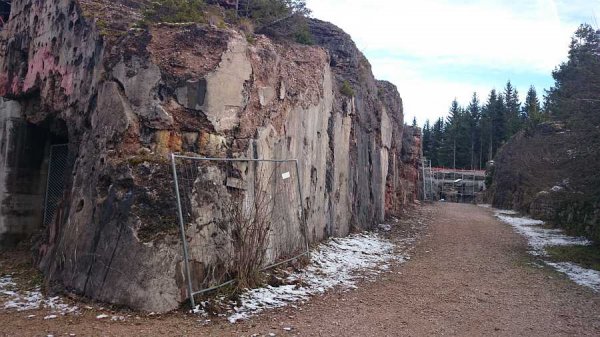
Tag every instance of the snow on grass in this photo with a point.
(506, 211)
(19, 300)
(338, 262)
(385, 227)
(582, 276)
(539, 238)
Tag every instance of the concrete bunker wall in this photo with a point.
(24, 161)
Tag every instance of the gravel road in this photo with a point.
(470, 275)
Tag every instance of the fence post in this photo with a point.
(183, 238)
(302, 215)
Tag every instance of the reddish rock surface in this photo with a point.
(123, 99)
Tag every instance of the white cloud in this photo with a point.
(516, 37)
(424, 98)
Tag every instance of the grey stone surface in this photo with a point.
(125, 107)
(140, 82)
(225, 96)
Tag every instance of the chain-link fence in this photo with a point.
(237, 216)
(57, 167)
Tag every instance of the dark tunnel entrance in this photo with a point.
(36, 168)
(5, 7)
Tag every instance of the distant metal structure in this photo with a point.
(457, 185)
(428, 190)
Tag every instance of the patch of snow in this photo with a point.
(50, 317)
(556, 188)
(506, 211)
(539, 238)
(6, 283)
(338, 262)
(385, 227)
(517, 221)
(102, 316)
(582, 276)
(31, 300)
(485, 205)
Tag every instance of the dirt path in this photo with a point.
(470, 276)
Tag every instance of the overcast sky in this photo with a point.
(436, 50)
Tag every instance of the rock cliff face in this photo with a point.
(124, 99)
(551, 173)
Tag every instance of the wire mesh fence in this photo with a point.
(237, 216)
(57, 167)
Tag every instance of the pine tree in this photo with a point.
(488, 123)
(427, 140)
(577, 81)
(532, 114)
(437, 143)
(512, 109)
(500, 123)
(474, 116)
(452, 123)
(469, 136)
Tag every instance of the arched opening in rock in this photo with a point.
(35, 165)
(5, 7)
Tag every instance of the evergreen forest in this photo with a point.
(471, 135)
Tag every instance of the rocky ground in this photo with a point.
(469, 275)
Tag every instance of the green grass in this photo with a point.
(585, 256)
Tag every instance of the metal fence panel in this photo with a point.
(213, 194)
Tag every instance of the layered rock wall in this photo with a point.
(125, 99)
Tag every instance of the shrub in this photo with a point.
(347, 90)
(175, 11)
(250, 226)
(247, 26)
(267, 12)
(304, 36)
(214, 15)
